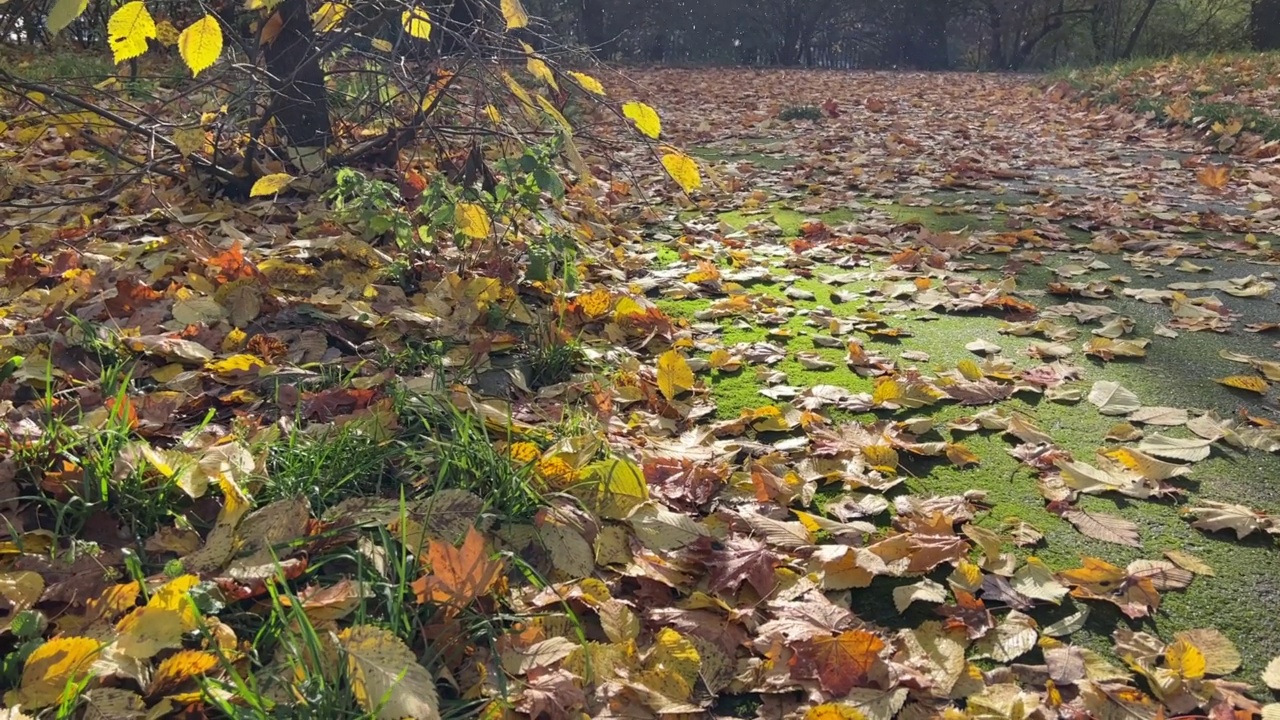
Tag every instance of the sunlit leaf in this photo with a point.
(128, 30)
(200, 44)
(644, 117)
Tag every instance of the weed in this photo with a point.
(329, 467)
(457, 452)
(800, 112)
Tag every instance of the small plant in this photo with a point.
(800, 112)
(376, 206)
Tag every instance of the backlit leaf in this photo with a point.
(63, 13)
(270, 184)
(200, 44)
(416, 23)
(513, 12)
(128, 30)
(472, 220)
(645, 118)
(683, 170)
(588, 83)
(674, 374)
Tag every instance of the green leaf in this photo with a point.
(64, 12)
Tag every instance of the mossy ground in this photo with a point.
(1240, 600)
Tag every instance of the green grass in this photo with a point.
(1177, 372)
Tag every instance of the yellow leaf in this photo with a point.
(538, 68)
(683, 170)
(618, 487)
(969, 369)
(175, 596)
(587, 82)
(381, 45)
(494, 115)
(472, 220)
(386, 677)
(328, 16)
(595, 303)
(887, 390)
(723, 360)
(881, 457)
(270, 184)
(201, 44)
(440, 84)
(515, 15)
(64, 12)
(52, 668)
(834, 711)
(1252, 383)
(674, 374)
(645, 118)
(417, 23)
(129, 29)
(1185, 659)
(673, 652)
(147, 630)
(180, 667)
(189, 140)
(1214, 177)
(236, 363)
(555, 114)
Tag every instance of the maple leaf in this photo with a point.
(458, 575)
(839, 663)
(739, 560)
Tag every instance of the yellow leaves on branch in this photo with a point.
(417, 23)
(587, 82)
(64, 12)
(201, 44)
(674, 374)
(683, 170)
(128, 31)
(539, 68)
(270, 184)
(645, 118)
(515, 15)
(472, 220)
(328, 16)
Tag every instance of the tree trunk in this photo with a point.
(1136, 33)
(1264, 24)
(300, 106)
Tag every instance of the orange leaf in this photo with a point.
(271, 30)
(1214, 177)
(839, 663)
(458, 575)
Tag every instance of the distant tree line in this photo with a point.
(923, 34)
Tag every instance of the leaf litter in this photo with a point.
(679, 553)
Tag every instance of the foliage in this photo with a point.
(509, 416)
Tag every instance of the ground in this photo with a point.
(980, 156)
(955, 394)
